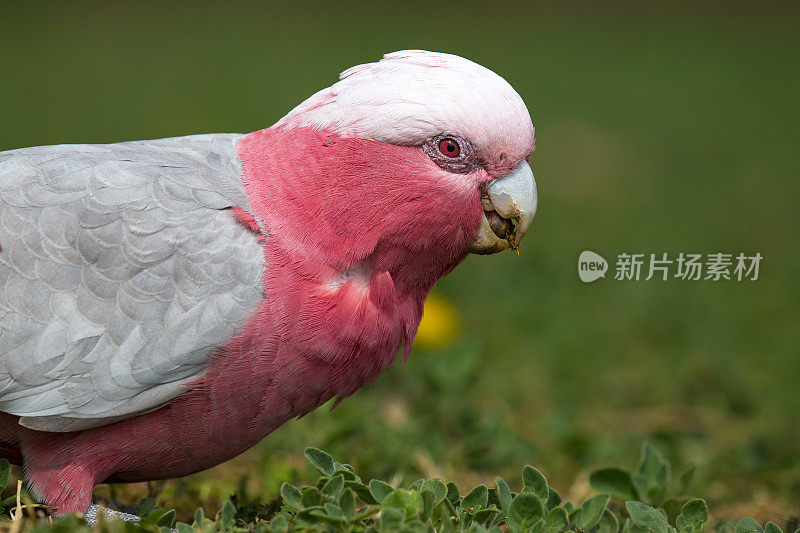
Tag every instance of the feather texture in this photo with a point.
(122, 269)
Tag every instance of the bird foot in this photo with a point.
(94, 511)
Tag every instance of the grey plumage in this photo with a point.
(122, 269)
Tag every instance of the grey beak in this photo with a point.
(513, 197)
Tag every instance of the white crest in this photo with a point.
(412, 95)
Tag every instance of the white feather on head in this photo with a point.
(412, 95)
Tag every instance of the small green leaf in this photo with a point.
(180, 527)
(167, 519)
(279, 523)
(408, 500)
(534, 481)
(199, 517)
(553, 499)
(652, 477)
(321, 460)
(390, 517)
(477, 498)
(227, 513)
(333, 487)
(437, 487)
(483, 515)
(347, 502)
(614, 481)
(311, 497)
(144, 508)
(684, 480)
(291, 496)
(503, 493)
(608, 523)
(452, 493)
(591, 511)
(747, 525)
(556, 519)
(646, 517)
(428, 503)
(523, 509)
(332, 515)
(379, 489)
(772, 527)
(334, 511)
(694, 514)
(417, 485)
(362, 491)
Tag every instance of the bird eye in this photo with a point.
(449, 147)
(452, 153)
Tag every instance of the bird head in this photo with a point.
(417, 159)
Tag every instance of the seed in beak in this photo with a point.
(502, 227)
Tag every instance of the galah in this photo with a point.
(166, 304)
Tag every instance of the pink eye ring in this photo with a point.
(449, 148)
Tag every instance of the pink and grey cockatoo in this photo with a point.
(166, 304)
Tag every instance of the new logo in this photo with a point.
(591, 266)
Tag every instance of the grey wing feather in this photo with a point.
(122, 270)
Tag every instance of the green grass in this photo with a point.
(660, 129)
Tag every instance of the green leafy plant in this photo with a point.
(339, 500)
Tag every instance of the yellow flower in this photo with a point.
(440, 324)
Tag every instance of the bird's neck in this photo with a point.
(341, 296)
(314, 338)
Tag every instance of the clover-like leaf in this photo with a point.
(168, 519)
(747, 525)
(408, 500)
(477, 498)
(694, 514)
(390, 518)
(524, 508)
(591, 511)
(534, 481)
(652, 477)
(556, 519)
(322, 461)
(379, 489)
(311, 497)
(180, 527)
(452, 493)
(553, 499)
(503, 493)
(428, 504)
(684, 479)
(362, 491)
(199, 517)
(614, 481)
(437, 487)
(483, 515)
(291, 496)
(144, 508)
(646, 517)
(347, 503)
(226, 514)
(334, 486)
(608, 523)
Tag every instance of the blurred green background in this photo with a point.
(670, 128)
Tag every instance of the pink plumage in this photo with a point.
(347, 216)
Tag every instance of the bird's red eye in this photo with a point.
(449, 147)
